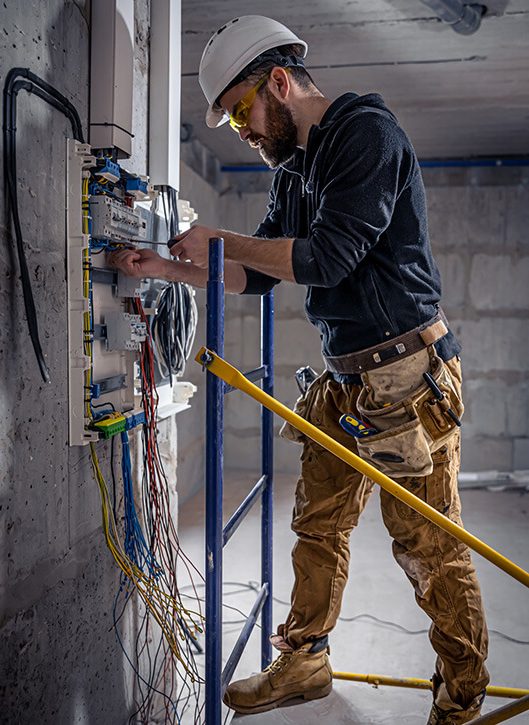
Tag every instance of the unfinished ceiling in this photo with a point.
(456, 95)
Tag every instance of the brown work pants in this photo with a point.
(330, 497)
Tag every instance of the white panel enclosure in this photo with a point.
(164, 93)
(112, 58)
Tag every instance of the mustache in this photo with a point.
(254, 141)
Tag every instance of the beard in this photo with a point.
(280, 142)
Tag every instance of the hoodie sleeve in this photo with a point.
(258, 283)
(366, 166)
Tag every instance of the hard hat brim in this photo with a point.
(215, 117)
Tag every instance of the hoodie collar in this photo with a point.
(340, 107)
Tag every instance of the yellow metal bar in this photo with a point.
(232, 376)
(504, 713)
(418, 684)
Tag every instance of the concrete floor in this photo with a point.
(378, 587)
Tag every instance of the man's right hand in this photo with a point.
(139, 263)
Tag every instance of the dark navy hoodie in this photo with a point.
(354, 202)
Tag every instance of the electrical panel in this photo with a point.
(107, 323)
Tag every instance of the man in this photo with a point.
(347, 218)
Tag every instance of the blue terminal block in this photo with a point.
(136, 185)
(110, 171)
(134, 418)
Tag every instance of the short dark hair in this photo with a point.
(284, 56)
(298, 72)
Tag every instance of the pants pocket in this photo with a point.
(303, 408)
(433, 489)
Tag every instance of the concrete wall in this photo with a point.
(59, 660)
(479, 225)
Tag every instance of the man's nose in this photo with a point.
(244, 132)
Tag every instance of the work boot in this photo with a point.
(297, 673)
(446, 712)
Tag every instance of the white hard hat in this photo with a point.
(231, 49)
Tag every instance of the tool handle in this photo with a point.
(454, 417)
(433, 386)
(441, 397)
(356, 427)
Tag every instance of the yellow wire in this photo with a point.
(164, 607)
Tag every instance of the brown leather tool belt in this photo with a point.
(397, 348)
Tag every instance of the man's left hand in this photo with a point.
(193, 245)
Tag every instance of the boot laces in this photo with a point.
(278, 664)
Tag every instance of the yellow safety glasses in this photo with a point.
(239, 116)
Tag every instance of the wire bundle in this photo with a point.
(35, 85)
(135, 545)
(160, 669)
(166, 622)
(175, 321)
(173, 328)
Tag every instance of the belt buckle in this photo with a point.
(389, 352)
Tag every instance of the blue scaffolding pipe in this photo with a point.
(267, 468)
(239, 515)
(237, 651)
(214, 468)
(216, 679)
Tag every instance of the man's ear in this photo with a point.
(279, 83)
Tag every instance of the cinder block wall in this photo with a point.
(479, 227)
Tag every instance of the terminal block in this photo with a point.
(138, 187)
(115, 221)
(107, 169)
(134, 418)
(110, 425)
(125, 331)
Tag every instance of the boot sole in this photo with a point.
(312, 695)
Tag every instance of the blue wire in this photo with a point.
(136, 547)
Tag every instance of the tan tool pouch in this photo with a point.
(410, 429)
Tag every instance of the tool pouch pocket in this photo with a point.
(410, 429)
(437, 424)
